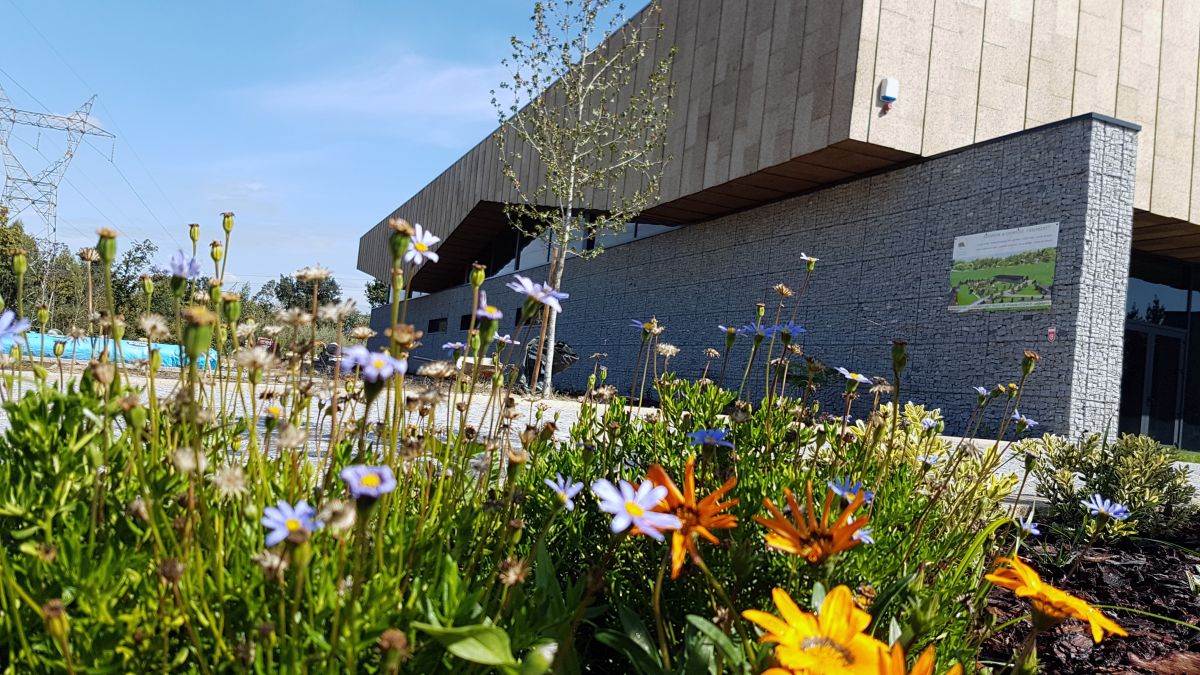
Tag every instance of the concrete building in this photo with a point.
(1035, 186)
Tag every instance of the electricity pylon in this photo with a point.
(40, 191)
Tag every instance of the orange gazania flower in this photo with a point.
(804, 536)
(831, 642)
(698, 517)
(1051, 606)
(893, 663)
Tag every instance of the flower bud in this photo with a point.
(118, 329)
(478, 274)
(43, 314)
(214, 292)
(60, 347)
(899, 355)
(217, 250)
(57, 623)
(148, 285)
(402, 233)
(107, 245)
(232, 302)
(178, 287)
(227, 222)
(197, 330)
(2, 305)
(1029, 362)
(155, 361)
(20, 263)
(730, 337)
(194, 232)
(760, 309)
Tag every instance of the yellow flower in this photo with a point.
(893, 663)
(698, 517)
(1051, 606)
(804, 536)
(831, 642)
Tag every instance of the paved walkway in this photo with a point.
(567, 412)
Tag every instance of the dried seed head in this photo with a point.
(313, 273)
(783, 290)
(711, 353)
(513, 571)
(362, 333)
(229, 481)
(170, 570)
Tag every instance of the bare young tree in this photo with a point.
(588, 112)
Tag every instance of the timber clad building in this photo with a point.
(1035, 185)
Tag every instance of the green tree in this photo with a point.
(589, 120)
(377, 293)
(291, 292)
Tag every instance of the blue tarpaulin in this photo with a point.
(83, 349)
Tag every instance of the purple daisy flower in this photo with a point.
(284, 519)
(847, 490)
(712, 437)
(11, 327)
(486, 311)
(1100, 507)
(182, 266)
(1022, 421)
(565, 490)
(368, 481)
(854, 377)
(420, 247)
(635, 507)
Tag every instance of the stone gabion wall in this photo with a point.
(885, 245)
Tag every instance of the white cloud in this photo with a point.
(410, 95)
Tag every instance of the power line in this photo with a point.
(111, 119)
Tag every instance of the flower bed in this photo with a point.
(193, 530)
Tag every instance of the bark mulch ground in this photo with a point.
(1135, 574)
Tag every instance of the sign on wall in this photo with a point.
(1004, 270)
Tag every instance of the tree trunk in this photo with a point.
(548, 349)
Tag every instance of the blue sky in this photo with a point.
(310, 120)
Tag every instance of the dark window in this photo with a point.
(437, 325)
(465, 322)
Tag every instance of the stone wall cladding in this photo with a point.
(885, 246)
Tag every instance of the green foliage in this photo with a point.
(1136, 471)
(291, 292)
(378, 292)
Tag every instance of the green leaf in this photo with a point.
(636, 630)
(698, 653)
(480, 643)
(718, 637)
(818, 596)
(642, 662)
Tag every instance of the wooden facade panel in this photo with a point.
(1004, 69)
(783, 73)
(865, 84)
(814, 90)
(953, 76)
(845, 73)
(695, 145)
(1096, 61)
(1175, 125)
(752, 87)
(1137, 83)
(727, 74)
(1052, 61)
(686, 16)
(905, 36)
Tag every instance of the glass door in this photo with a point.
(1152, 382)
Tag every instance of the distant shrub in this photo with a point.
(1136, 471)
